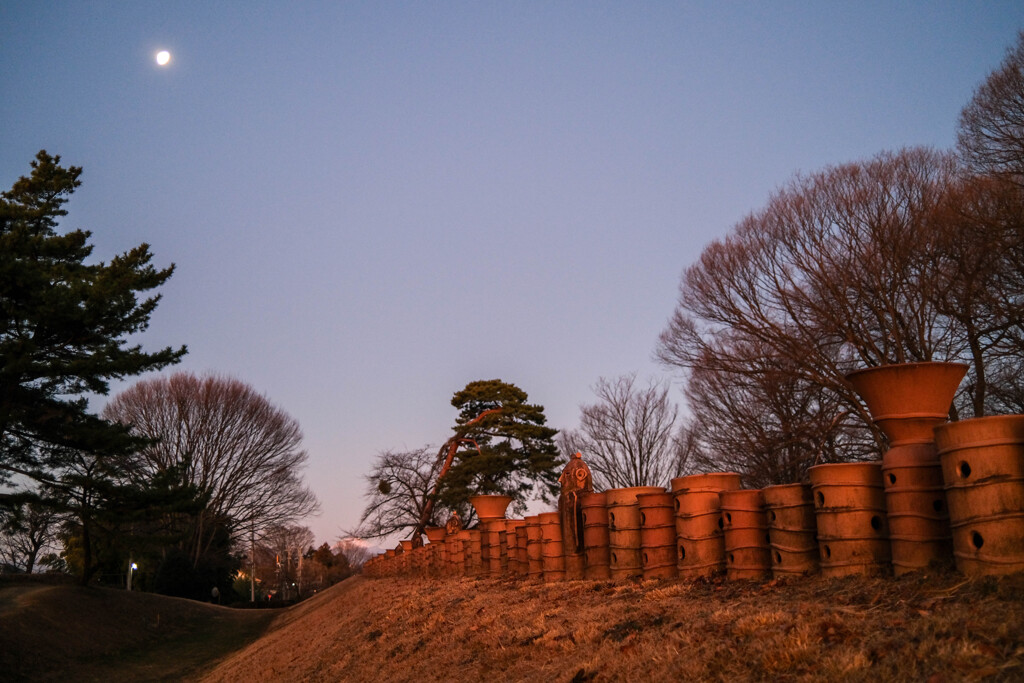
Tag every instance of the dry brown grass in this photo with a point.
(935, 628)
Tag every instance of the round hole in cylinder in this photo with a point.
(939, 505)
(828, 551)
(964, 470)
(819, 497)
(677, 504)
(584, 517)
(643, 519)
(778, 557)
(976, 540)
(876, 523)
(615, 559)
(732, 558)
(611, 520)
(682, 552)
(728, 518)
(771, 515)
(647, 560)
(892, 478)
(721, 524)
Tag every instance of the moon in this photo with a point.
(163, 58)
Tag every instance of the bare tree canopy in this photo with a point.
(397, 490)
(991, 135)
(229, 441)
(630, 436)
(898, 258)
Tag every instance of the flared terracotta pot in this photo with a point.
(490, 506)
(908, 400)
(435, 534)
(983, 469)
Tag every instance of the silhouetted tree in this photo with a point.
(517, 455)
(65, 322)
(991, 131)
(229, 442)
(397, 488)
(630, 437)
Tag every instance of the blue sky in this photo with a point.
(372, 204)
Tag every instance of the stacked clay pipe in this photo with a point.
(983, 469)
(552, 554)
(849, 506)
(699, 523)
(626, 559)
(597, 554)
(657, 535)
(907, 401)
(745, 532)
(792, 529)
(534, 542)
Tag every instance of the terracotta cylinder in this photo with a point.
(626, 560)
(699, 538)
(907, 401)
(494, 552)
(474, 553)
(745, 529)
(552, 555)
(522, 551)
(983, 469)
(792, 530)
(849, 506)
(533, 548)
(453, 548)
(915, 499)
(512, 527)
(657, 535)
(597, 555)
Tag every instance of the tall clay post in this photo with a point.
(575, 480)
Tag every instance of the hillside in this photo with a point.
(67, 632)
(941, 628)
(937, 628)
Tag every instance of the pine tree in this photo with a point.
(517, 455)
(64, 326)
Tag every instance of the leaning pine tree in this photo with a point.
(517, 455)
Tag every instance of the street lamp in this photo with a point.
(131, 570)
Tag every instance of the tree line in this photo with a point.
(911, 255)
(175, 474)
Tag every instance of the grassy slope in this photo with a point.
(940, 628)
(63, 632)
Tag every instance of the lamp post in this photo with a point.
(131, 571)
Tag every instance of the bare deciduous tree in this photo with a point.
(26, 531)
(230, 441)
(991, 135)
(398, 487)
(630, 436)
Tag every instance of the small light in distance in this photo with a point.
(163, 58)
